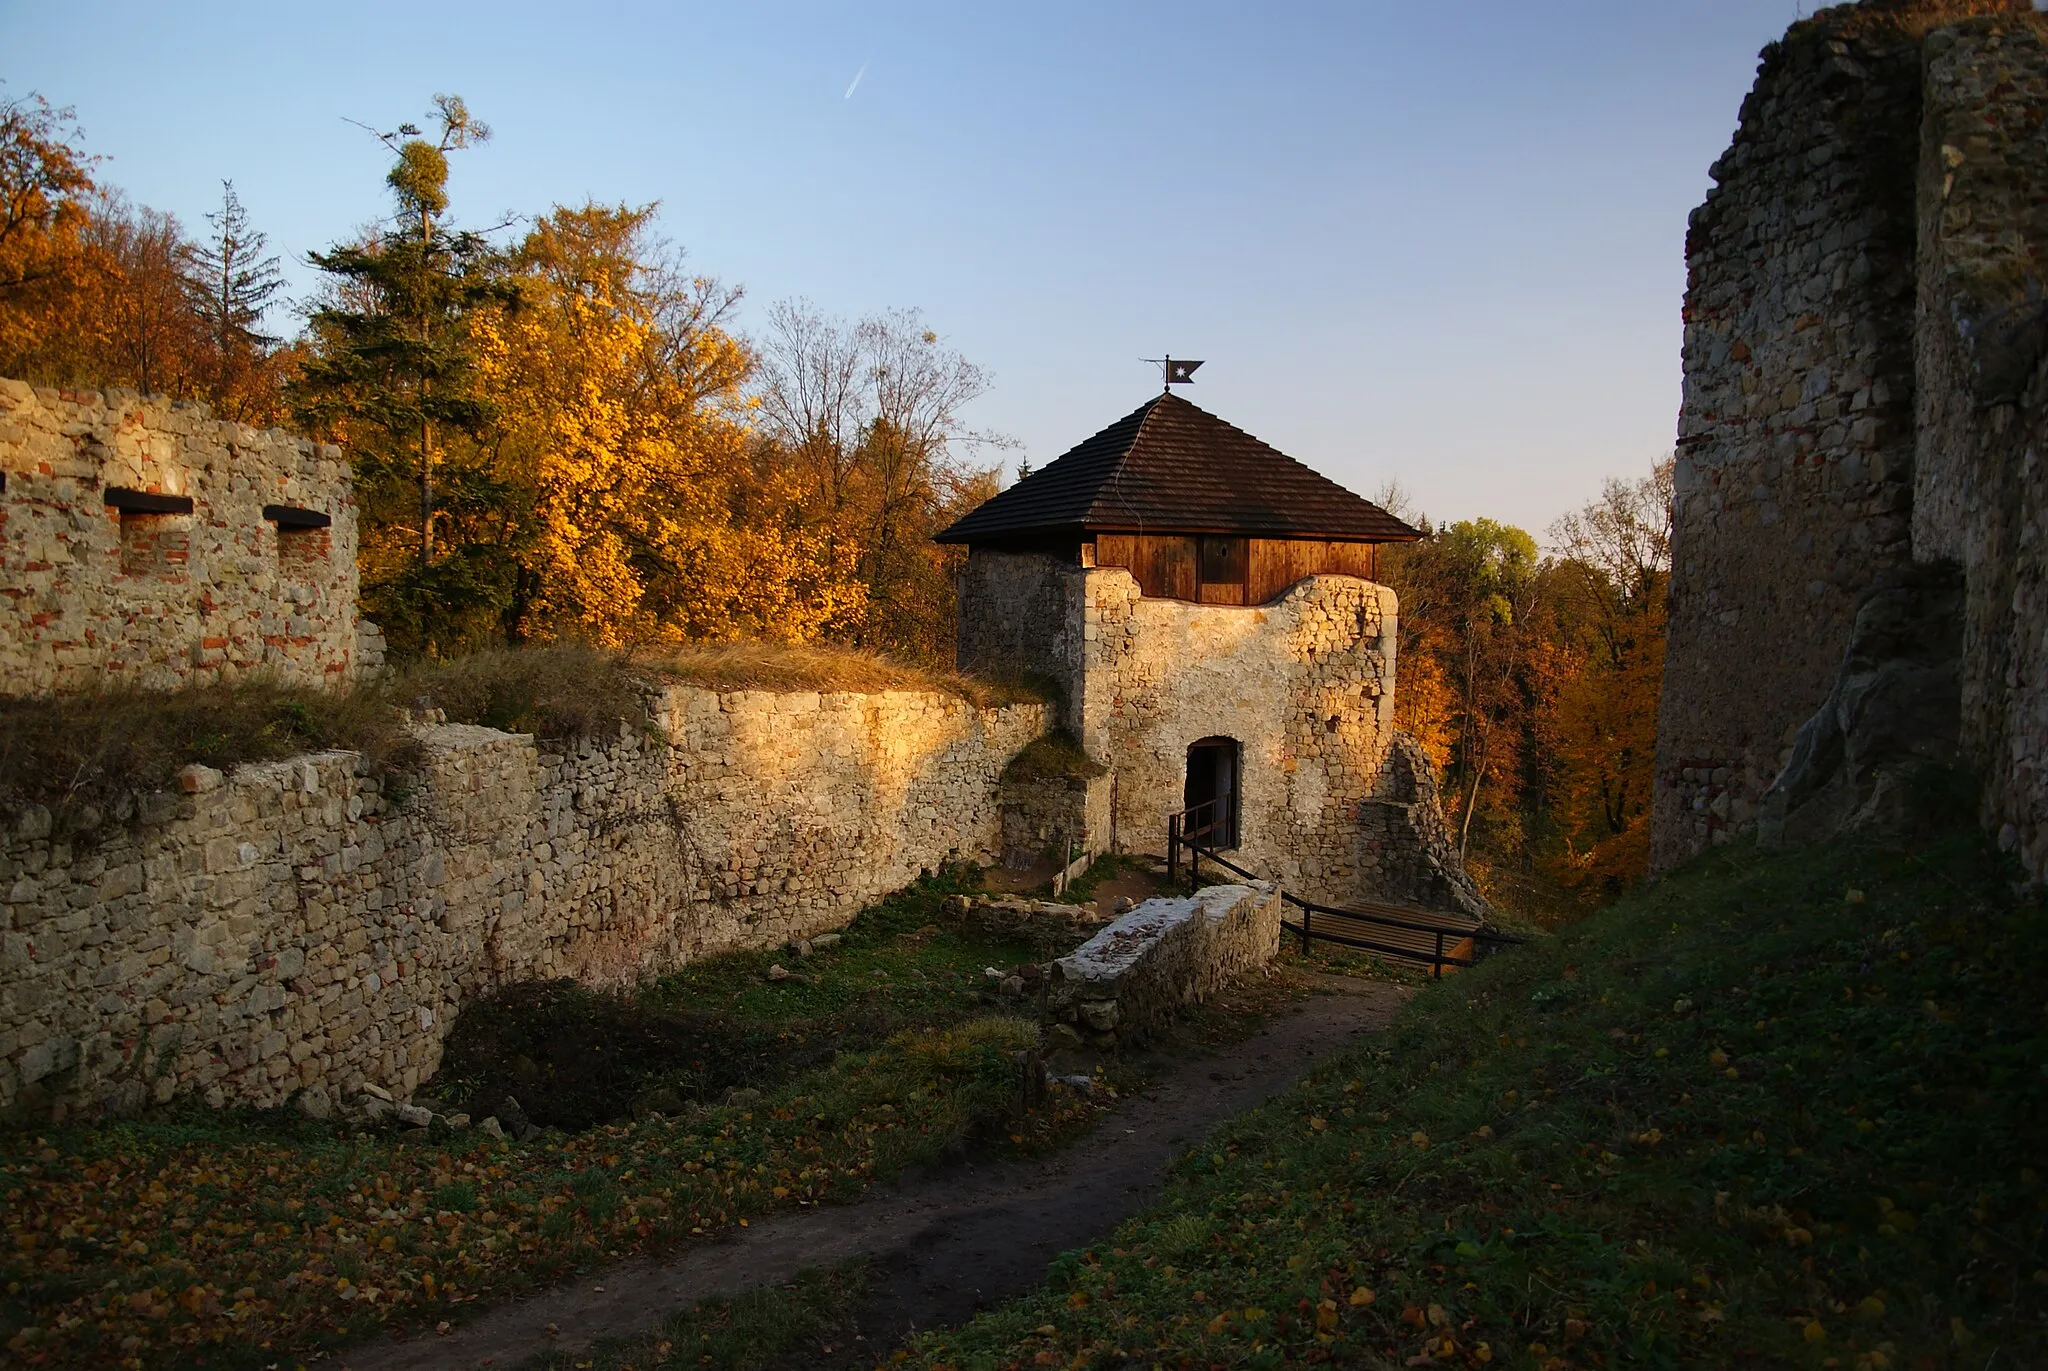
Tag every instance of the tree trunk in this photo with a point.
(1471, 798)
(426, 491)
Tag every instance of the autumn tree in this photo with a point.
(869, 419)
(145, 335)
(230, 281)
(1468, 597)
(45, 185)
(96, 290)
(391, 375)
(621, 441)
(1600, 732)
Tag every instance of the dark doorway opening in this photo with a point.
(1210, 796)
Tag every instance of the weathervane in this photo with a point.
(1175, 373)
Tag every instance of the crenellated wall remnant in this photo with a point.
(1865, 330)
(295, 928)
(145, 543)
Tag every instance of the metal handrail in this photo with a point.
(1178, 836)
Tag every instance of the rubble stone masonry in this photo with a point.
(1980, 491)
(1303, 684)
(92, 593)
(297, 926)
(1807, 400)
(1331, 804)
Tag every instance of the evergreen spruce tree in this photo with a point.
(392, 376)
(230, 280)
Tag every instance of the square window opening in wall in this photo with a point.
(304, 540)
(154, 544)
(156, 533)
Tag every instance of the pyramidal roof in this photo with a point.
(1172, 467)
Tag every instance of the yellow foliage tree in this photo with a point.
(622, 439)
(1599, 732)
(46, 265)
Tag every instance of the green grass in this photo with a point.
(904, 960)
(1784, 1110)
(84, 756)
(226, 1239)
(735, 1333)
(574, 1056)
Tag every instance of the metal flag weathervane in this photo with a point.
(1176, 371)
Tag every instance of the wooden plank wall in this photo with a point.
(1277, 563)
(1166, 565)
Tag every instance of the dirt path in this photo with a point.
(941, 1246)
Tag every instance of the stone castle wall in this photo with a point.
(1811, 424)
(1408, 844)
(1981, 341)
(1017, 612)
(90, 594)
(296, 927)
(1795, 441)
(1303, 684)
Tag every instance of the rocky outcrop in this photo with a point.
(1893, 715)
(1409, 857)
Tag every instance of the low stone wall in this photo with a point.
(1125, 982)
(295, 926)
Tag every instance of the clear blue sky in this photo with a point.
(1436, 242)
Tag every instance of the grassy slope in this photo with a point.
(1772, 1111)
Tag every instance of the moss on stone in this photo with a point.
(1054, 756)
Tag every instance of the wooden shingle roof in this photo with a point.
(1172, 467)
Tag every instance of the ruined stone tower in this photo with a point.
(1863, 330)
